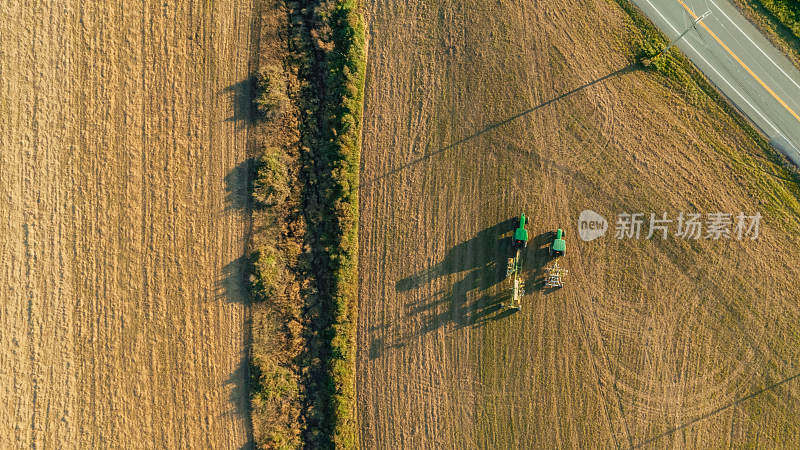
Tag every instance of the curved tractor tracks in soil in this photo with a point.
(476, 112)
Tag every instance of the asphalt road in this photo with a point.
(758, 78)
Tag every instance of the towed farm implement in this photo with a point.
(518, 244)
(554, 274)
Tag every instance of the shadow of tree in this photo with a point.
(240, 396)
(242, 94)
(239, 186)
(232, 285)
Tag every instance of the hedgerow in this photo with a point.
(329, 47)
(305, 240)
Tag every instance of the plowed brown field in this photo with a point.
(476, 111)
(121, 139)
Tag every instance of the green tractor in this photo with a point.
(520, 239)
(558, 247)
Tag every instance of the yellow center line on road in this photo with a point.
(774, 95)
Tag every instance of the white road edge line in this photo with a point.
(756, 45)
(728, 82)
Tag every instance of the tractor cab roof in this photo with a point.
(521, 234)
(559, 245)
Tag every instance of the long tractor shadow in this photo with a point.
(480, 257)
(482, 260)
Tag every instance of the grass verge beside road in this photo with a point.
(778, 20)
(681, 74)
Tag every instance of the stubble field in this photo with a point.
(122, 138)
(477, 111)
